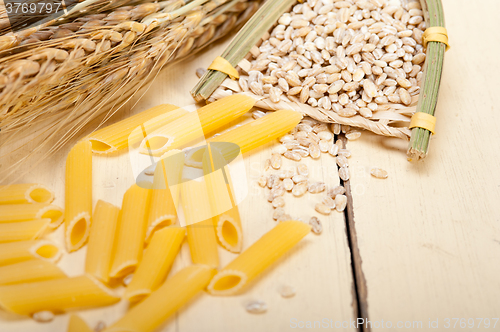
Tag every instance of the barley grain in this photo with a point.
(288, 184)
(276, 160)
(299, 178)
(302, 170)
(299, 189)
(286, 291)
(316, 187)
(340, 202)
(344, 173)
(278, 202)
(257, 306)
(328, 201)
(43, 316)
(379, 173)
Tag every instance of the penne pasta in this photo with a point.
(101, 239)
(131, 231)
(166, 192)
(25, 212)
(149, 314)
(156, 263)
(227, 222)
(56, 295)
(119, 135)
(29, 271)
(203, 243)
(78, 195)
(25, 193)
(77, 324)
(199, 225)
(23, 230)
(259, 256)
(228, 230)
(14, 252)
(194, 126)
(251, 135)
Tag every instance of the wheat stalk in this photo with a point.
(113, 79)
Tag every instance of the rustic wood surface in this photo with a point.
(428, 237)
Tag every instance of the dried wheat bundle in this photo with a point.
(79, 77)
(356, 62)
(74, 9)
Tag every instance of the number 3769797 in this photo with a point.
(32, 8)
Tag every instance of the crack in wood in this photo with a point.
(360, 303)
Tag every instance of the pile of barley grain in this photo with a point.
(347, 56)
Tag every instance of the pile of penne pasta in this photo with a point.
(137, 244)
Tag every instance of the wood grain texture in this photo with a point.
(429, 235)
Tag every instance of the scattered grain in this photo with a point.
(43, 316)
(286, 291)
(379, 173)
(316, 226)
(256, 307)
(340, 202)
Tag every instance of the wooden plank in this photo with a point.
(318, 268)
(429, 235)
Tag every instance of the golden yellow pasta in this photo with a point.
(166, 191)
(78, 195)
(156, 263)
(199, 225)
(29, 271)
(228, 230)
(149, 314)
(14, 252)
(195, 201)
(131, 231)
(76, 324)
(251, 135)
(221, 193)
(23, 230)
(119, 135)
(194, 126)
(101, 239)
(203, 243)
(259, 256)
(24, 212)
(56, 295)
(25, 193)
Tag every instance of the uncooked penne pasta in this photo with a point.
(194, 126)
(29, 271)
(149, 314)
(56, 295)
(131, 231)
(25, 193)
(251, 135)
(166, 192)
(259, 256)
(78, 194)
(14, 252)
(24, 212)
(228, 230)
(227, 220)
(203, 243)
(101, 239)
(199, 225)
(77, 324)
(156, 263)
(119, 135)
(23, 230)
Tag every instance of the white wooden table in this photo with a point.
(428, 236)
